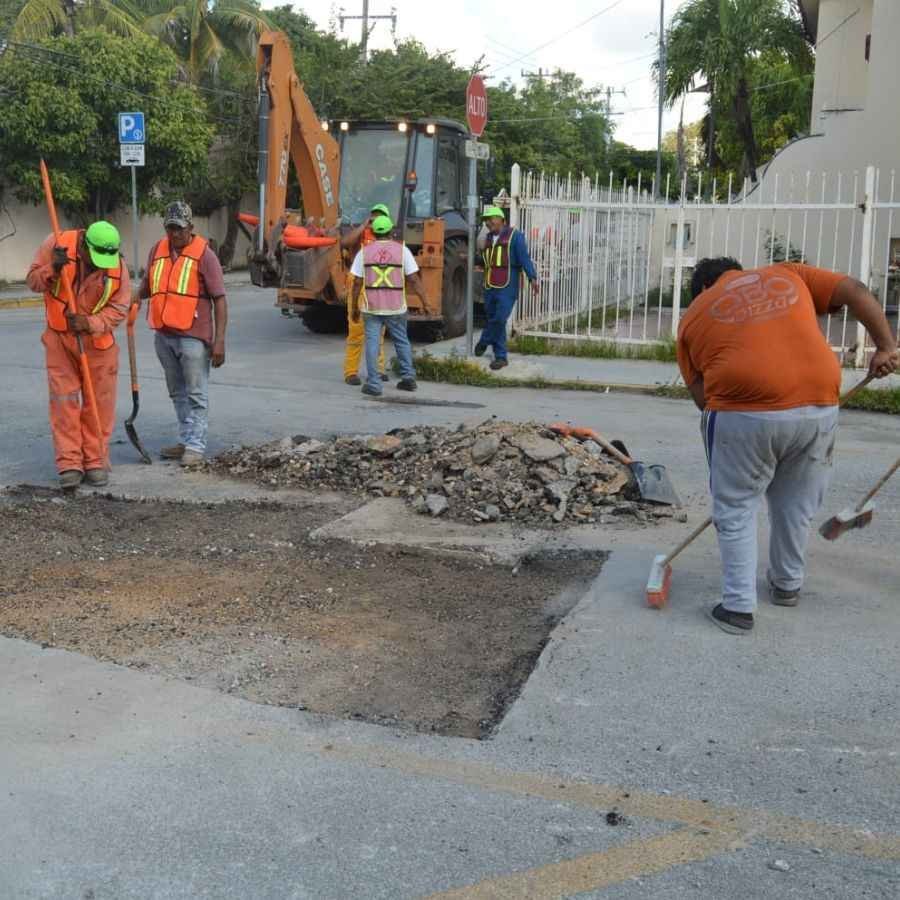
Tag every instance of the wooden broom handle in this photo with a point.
(880, 483)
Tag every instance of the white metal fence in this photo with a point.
(614, 263)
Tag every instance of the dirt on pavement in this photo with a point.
(236, 597)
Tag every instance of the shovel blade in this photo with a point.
(654, 485)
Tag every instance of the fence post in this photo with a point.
(865, 262)
(515, 190)
(679, 268)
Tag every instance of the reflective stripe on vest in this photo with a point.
(385, 285)
(175, 287)
(496, 260)
(56, 304)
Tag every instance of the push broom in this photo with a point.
(660, 580)
(858, 516)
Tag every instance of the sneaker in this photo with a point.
(191, 458)
(70, 479)
(480, 349)
(407, 384)
(732, 622)
(353, 379)
(385, 376)
(96, 477)
(174, 452)
(499, 364)
(783, 598)
(372, 392)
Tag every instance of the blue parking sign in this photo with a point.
(131, 128)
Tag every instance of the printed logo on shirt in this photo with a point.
(753, 297)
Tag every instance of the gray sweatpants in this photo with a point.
(788, 457)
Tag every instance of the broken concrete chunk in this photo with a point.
(385, 445)
(436, 504)
(485, 448)
(560, 490)
(539, 449)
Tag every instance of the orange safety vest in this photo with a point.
(175, 286)
(56, 304)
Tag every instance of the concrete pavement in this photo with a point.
(723, 754)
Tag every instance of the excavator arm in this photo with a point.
(290, 130)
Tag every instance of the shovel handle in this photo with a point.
(614, 452)
(132, 353)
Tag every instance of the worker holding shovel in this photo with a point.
(85, 262)
(757, 364)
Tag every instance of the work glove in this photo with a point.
(78, 323)
(60, 258)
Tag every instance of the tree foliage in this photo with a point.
(64, 110)
(719, 43)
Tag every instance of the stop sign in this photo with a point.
(476, 105)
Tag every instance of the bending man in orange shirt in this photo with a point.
(102, 297)
(757, 364)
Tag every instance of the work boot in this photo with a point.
(499, 364)
(174, 452)
(372, 392)
(781, 597)
(70, 479)
(407, 384)
(732, 622)
(353, 379)
(191, 458)
(96, 477)
(480, 349)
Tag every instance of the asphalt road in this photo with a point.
(724, 755)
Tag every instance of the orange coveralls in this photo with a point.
(75, 440)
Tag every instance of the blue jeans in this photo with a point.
(498, 305)
(185, 360)
(396, 328)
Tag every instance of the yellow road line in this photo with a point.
(756, 823)
(594, 871)
(21, 302)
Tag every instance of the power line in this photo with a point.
(559, 37)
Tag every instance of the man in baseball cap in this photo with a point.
(89, 261)
(189, 313)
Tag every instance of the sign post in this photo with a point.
(476, 118)
(132, 136)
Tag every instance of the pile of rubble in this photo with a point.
(484, 473)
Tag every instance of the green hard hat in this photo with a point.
(103, 241)
(383, 225)
(381, 208)
(491, 211)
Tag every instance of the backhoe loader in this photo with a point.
(415, 168)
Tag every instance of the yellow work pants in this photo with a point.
(356, 337)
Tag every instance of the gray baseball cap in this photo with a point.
(178, 213)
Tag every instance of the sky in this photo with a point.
(614, 50)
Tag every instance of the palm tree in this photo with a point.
(715, 41)
(201, 33)
(41, 19)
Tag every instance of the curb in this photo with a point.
(21, 302)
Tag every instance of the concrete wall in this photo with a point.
(31, 227)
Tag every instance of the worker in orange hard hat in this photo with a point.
(102, 292)
(353, 241)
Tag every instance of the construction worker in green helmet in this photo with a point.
(352, 242)
(381, 271)
(505, 255)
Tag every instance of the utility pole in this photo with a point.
(365, 18)
(609, 112)
(662, 94)
(540, 74)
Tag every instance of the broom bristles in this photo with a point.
(658, 583)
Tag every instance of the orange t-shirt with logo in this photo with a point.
(754, 339)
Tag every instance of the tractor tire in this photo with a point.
(321, 318)
(453, 291)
